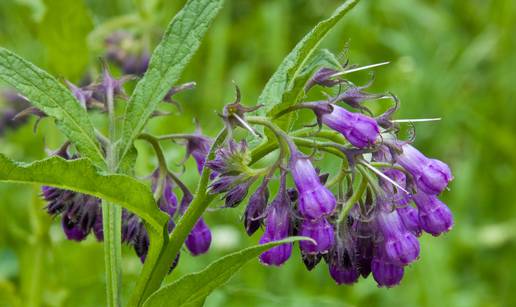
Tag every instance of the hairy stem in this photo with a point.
(112, 219)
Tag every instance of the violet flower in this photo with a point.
(434, 216)
(199, 239)
(254, 212)
(321, 231)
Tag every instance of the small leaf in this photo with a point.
(287, 73)
(180, 42)
(81, 176)
(47, 94)
(192, 289)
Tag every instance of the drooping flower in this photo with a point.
(360, 130)
(342, 260)
(277, 227)
(199, 239)
(401, 246)
(323, 77)
(385, 273)
(434, 216)
(410, 217)
(315, 200)
(255, 210)
(321, 231)
(431, 175)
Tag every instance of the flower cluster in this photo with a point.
(388, 189)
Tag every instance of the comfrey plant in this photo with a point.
(363, 218)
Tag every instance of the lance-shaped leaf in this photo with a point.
(81, 176)
(285, 76)
(179, 43)
(192, 289)
(50, 96)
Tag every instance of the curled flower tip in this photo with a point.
(84, 96)
(315, 200)
(323, 77)
(199, 239)
(321, 231)
(400, 245)
(278, 226)
(311, 260)
(434, 216)
(386, 274)
(431, 175)
(255, 210)
(177, 89)
(385, 120)
(360, 130)
(233, 114)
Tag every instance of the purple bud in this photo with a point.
(435, 217)
(277, 227)
(141, 243)
(410, 217)
(321, 231)
(385, 273)
(401, 246)
(343, 275)
(431, 175)
(98, 229)
(199, 239)
(237, 194)
(360, 130)
(198, 146)
(168, 201)
(315, 200)
(222, 184)
(322, 77)
(254, 212)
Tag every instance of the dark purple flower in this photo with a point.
(198, 146)
(360, 130)
(73, 230)
(131, 226)
(363, 239)
(255, 210)
(199, 239)
(401, 246)
(168, 201)
(278, 227)
(237, 194)
(311, 260)
(386, 273)
(434, 216)
(315, 200)
(355, 95)
(343, 275)
(431, 175)
(321, 231)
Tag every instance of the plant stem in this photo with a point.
(196, 208)
(112, 219)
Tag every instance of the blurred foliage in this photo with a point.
(449, 59)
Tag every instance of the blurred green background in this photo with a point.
(449, 59)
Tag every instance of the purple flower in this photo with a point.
(199, 239)
(397, 195)
(431, 175)
(311, 260)
(434, 216)
(409, 216)
(237, 194)
(254, 212)
(321, 231)
(343, 275)
(277, 227)
(322, 77)
(386, 273)
(401, 246)
(198, 146)
(360, 130)
(168, 201)
(363, 239)
(315, 200)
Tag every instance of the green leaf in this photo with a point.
(192, 289)
(284, 78)
(81, 176)
(46, 93)
(179, 43)
(63, 32)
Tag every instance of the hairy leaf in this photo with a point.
(81, 176)
(192, 289)
(47, 94)
(179, 43)
(284, 78)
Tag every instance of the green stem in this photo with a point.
(112, 220)
(353, 199)
(183, 228)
